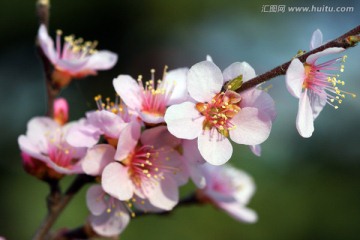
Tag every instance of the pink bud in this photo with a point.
(61, 111)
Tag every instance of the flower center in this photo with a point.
(219, 111)
(74, 48)
(327, 84)
(155, 94)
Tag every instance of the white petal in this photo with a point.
(256, 149)
(317, 102)
(47, 44)
(184, 121)
(101, 60)
(165, 194)
(129, 91)
(252, 128)
(239, 68)
(116, 182)
(175, 81)
(305, 119)
(313, 57)
(295, 77)
(316, 39)
(260, 100)
(204, 81)
(239, 212)
(215, 149)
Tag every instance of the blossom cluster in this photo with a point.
(158, 134)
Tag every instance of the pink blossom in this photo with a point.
(75, 59)
(150, 99)
(109, 121)
(215, 115)
(314, 87)
(45, 141)
(148, 167)
(109, 216)
(229, 189)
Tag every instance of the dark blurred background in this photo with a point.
(306, 188)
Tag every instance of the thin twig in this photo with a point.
(56, 206)
(343, 41)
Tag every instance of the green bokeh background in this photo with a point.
(306, 188)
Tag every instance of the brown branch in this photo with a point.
(344, 41)
(56, 205)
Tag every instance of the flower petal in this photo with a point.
(110, 123)
(159, 137)
(239, 68)
(127, 140)
(314, 57)
(215, 149)
(305, 119)
(295, 77)
(316, 39)
(111, 224)
(129, 91)
(101, 60)
(317, 102)
(252, 128)
(256, 149)
(175, 82)
(239, 212)
(95, 199)
(204, 81)
(150, 117)
(184, 121)
(83, 135)
(164, 195)
(47, 44)
(97, 158)
(116, 182)
(258, 99)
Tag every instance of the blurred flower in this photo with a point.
(151, 100)
(229, 189)
(75, 59)
(45, 141)
(61, 111)
(313, 86)
(109, 216)
(214, 115)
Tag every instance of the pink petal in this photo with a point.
(295, 77)
(239, 212)
(111, 224)
(316, 39)
(193, 161)
(252, 128)
(129, 91)
(256, 149)
(239, 68)
(204, 81)
(116, 182)
(305, 119)
(184, 121)
(260, 100)
(215, 149)
(159, 137)
(29, 148)
(101, 60)
(164, 195)
(83, 135)
(72, 66)
(317, 102)
(314, 57)
(47, 44)
(110, 123)
(95, 200)
(128, 139)
(97, 158)
(176, 80)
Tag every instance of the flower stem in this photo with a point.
(57, 202)
(344, 41)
